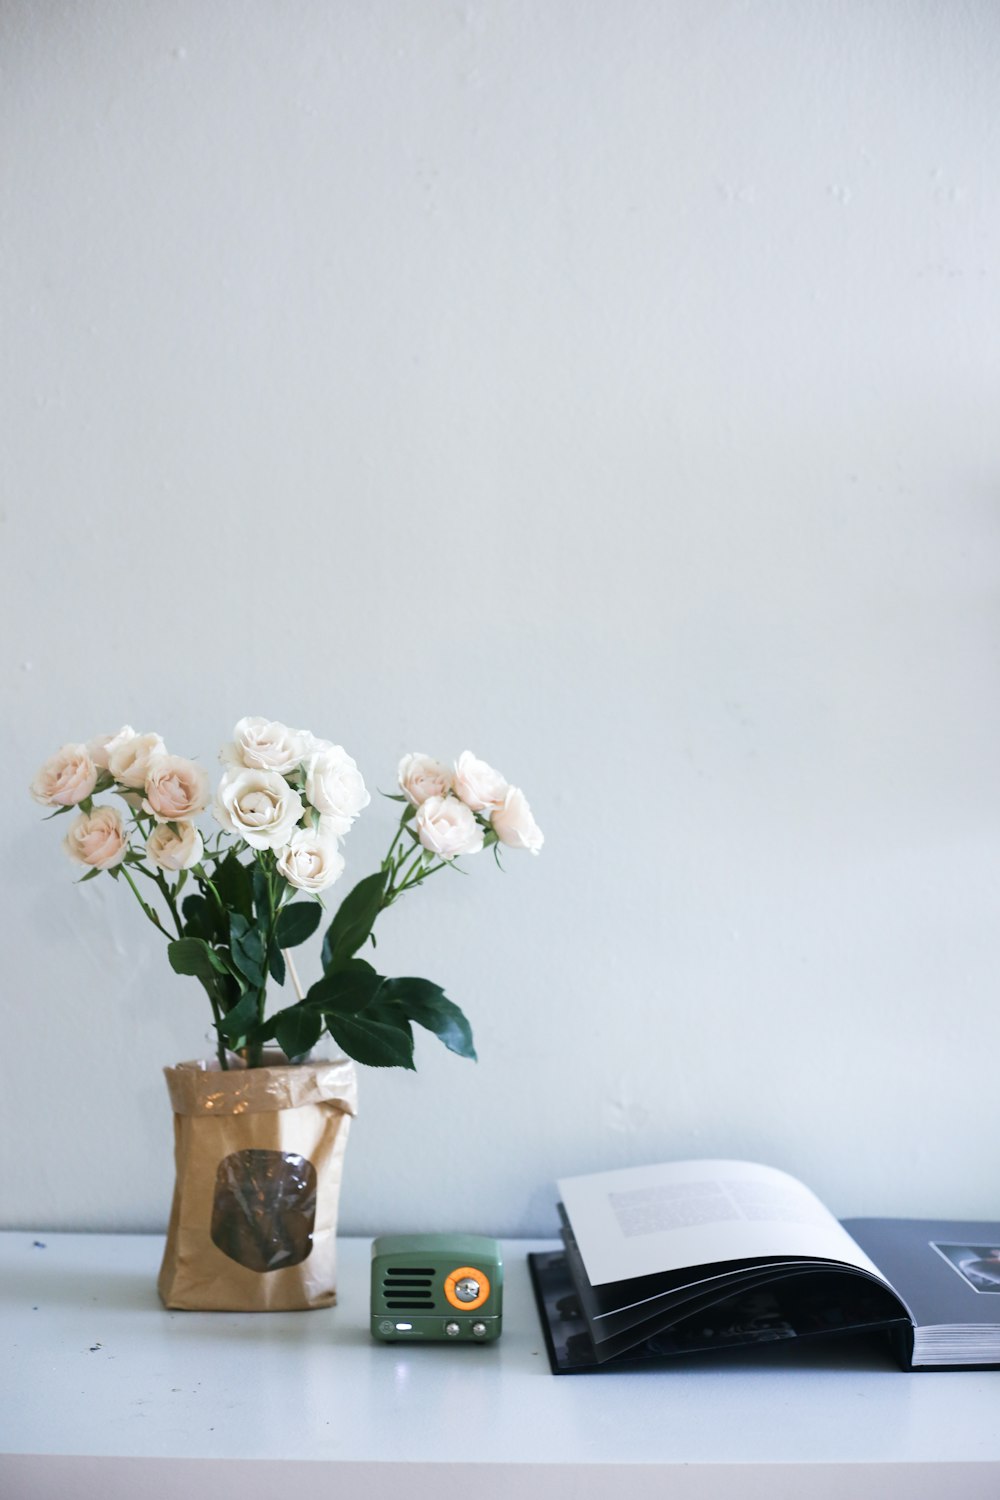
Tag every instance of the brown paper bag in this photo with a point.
(259, 1155)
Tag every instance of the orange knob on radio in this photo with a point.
(466, 1288)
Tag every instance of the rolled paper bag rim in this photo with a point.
(202, 1087)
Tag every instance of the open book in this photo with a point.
(697, 1255)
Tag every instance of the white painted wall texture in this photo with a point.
(611, 388)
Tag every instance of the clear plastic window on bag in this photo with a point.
(264, 1209)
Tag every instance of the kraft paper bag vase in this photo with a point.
(259, 1156)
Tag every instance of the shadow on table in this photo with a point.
(309, 1330)
(133, 1291)
(111, 1288)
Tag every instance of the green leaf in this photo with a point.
(355, 918)
(232, 881)
(297, 922)
(427, 1004)
(377, 1044)
(199, 917)
(276, 964)
(90, 875)
(346, 990)
(236, 1023)
(232, 970)
(191, 955)
(297, 1030)
(59, 813)
(222, 990)
(247, 944)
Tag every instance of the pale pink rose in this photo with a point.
(129, 759)
(311, 862)
(101, 746)
(478, 785)
(175, 849)
(258, 806)
(264, 745)
(447, 827)
(514, 824)
(420, 777)
(66, 778)
(175, 789)
(97, 839)
(334, 786)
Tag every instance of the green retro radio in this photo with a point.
(437, 1287)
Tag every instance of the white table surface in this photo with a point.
(104, 1393)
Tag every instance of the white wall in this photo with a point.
(611, 388)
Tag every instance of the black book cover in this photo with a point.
(678, 1258)
(947, 1274)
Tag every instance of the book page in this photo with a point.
(640, 1221)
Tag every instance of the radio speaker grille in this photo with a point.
(409, 1288)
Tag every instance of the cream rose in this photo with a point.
(175, 789)
(447, 827)
(100, 747)
(310, 862)
(478, 785)
(322, 825)
(312, 744)
(420, 777)
(335, 788)
(129, 759)
(97, 839)
(264, 745)
(514, 824)
(258, 806)
(66, 778)
(175, 849)
(326, 826)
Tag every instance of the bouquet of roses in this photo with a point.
(226, 901)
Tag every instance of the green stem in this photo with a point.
(277, 893)
(392, 887)
(414, 858)
(150, 913)
(408, 885)
(168, 897)
(199, 872)
(220, 1045)
(403, 824)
